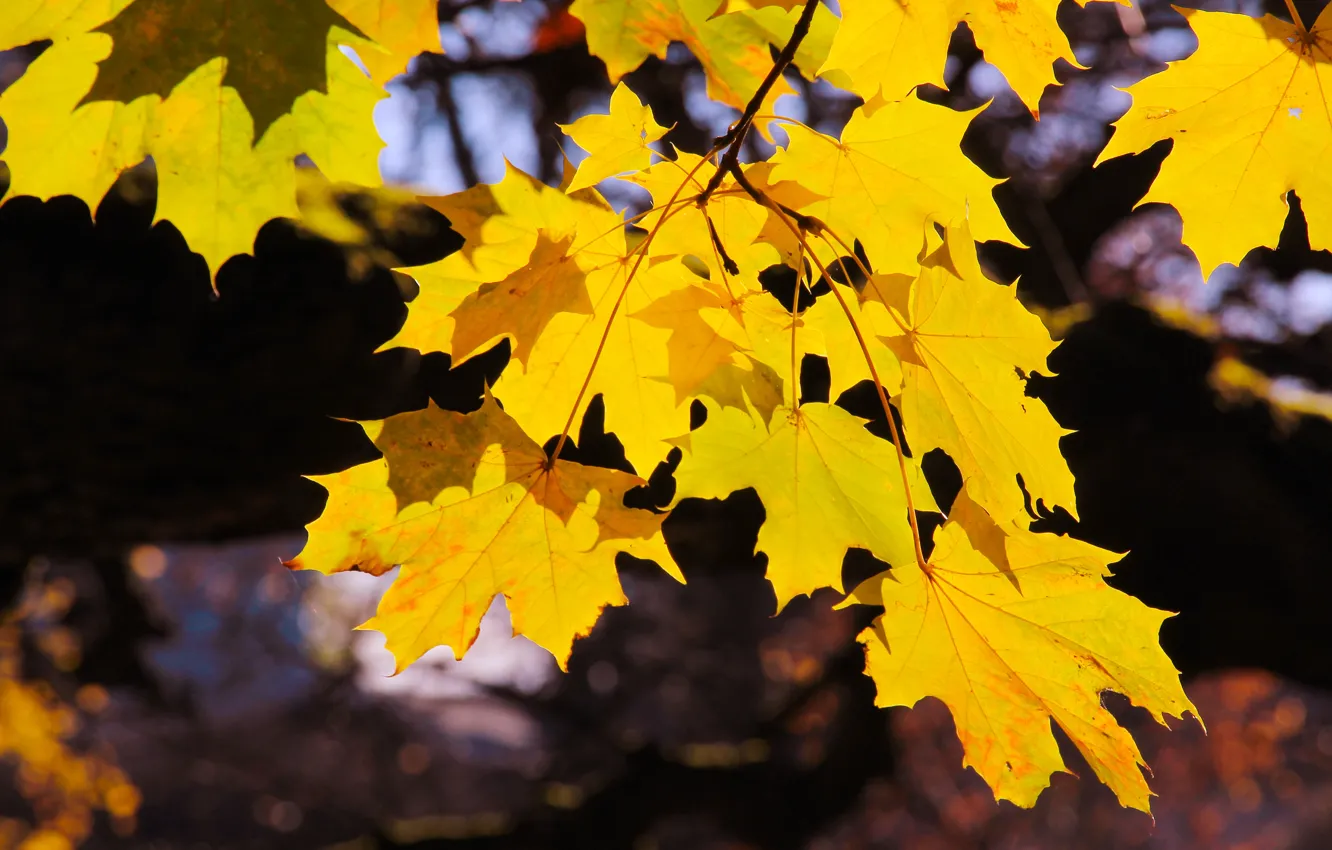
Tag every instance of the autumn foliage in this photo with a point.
(667, 313)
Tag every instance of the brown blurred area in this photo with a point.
(167, 684)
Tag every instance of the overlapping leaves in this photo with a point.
(1012, 629)
(222, 94)
(683, 317)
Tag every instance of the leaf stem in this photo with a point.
(883, 397)
(734, 138)
(1295, 16)
(641, 251)
(869, 276)
(801, 274)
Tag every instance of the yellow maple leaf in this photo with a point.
(886, 49)
(827, 485)
(504, 227)
(732, 47)
(471, 508)
(395, 30)
(1011, 630)
(222, 95)
(749, 234)
(546, 391)
(27, 21)
(612, 352)
(1248, 116)
(966, 345)
(843, 335)
(722, 345)
(615, 143)
(522, 304)
(892, 170)
(730, 339)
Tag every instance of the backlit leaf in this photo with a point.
(617, 142)
(827, 485)
(891, 170)
(1013, 638)
(888, 47)
(471, 508)
(222, 94)
(1248, 116)
(967, 345)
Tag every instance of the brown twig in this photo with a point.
(734, 138)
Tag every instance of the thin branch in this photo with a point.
(641, 251)
(734, 138)
(462, 152)
(1295, 15)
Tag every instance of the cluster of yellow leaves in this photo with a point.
(63, 785)
(1014, 630)
(471, 506)
(222, 94)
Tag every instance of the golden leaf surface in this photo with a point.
(1011, 630)
(471, 508)
(503, 224)
(617, 142)
(732, 47)
(519, 235)
(1249, 119)
(888, 47)
(966, 346)
(827, 485)
(222, 94)
(891, 171)
(730, 340)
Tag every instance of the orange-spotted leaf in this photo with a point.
(1013, 630)
(471, 508)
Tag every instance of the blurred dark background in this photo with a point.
(165, 683)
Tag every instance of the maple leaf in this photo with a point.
(869, 320)
(617, 142)
(732, 47)
(966, 345)
(471, 508)
(156, 44)
(827, 485)
(610, 351)
(886, 49)
(518, 231)
(557, 353)
(223, 94)
(730, 339)
(28, 21)
(1249, 118)
(1011, 630)
(521, 305)
(721, 345)
(891, 170)
(395, 30)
